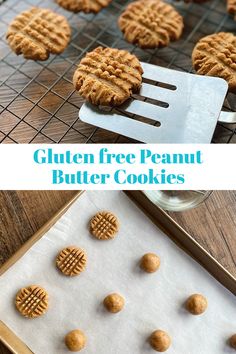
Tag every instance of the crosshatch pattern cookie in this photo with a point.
(150, 23)
(104, 225)
(215, 55)
(231, 7)
(108, 76)
(36, 33)
(32, 301)
(71, 261)
(83, 5)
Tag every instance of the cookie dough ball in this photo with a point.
(196, 304)
(114, 303)
(232, 341)
(150, 262)
(75, 340)
(160, 340)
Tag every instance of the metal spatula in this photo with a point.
(185, 106)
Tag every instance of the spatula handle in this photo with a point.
(227, 117)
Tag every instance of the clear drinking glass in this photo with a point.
(177, 200)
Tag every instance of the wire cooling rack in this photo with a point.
(37, 101)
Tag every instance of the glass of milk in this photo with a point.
(177, 200)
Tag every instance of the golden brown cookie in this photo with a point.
(84, 5)
(215, 55)
(71, 261)
(37, 32)
(231, 7)
(196, 304)
(195, 1)
(160, 340)
(75, 340)
(150, 262)
(150, 23)
(114, 303)
(232, 341)
(108, 76)
(32, 301)
(104, 225)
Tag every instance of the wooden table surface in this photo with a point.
(213, 223)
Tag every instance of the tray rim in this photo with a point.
(159, 217)
(184, 240)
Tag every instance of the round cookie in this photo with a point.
(108, 76)
(231, 7)
(150, 262)
(32, 301)
(232, 341)
(104, 225)
(150, 23)
(160, 340)
(215, 55)
(196, 304)
(84, 5)
(36, 33)
(71, 261)
(114, 303)
(195, 1)
(75, 340)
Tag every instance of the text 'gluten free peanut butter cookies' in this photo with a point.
(150, 23)
(32, 301)
(71, 261)
(37, 32)
(83, 5)
(215, 55)
(108, 76)
(104, 225)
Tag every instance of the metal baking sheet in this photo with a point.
(163, 303)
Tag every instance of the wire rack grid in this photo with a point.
(38, 103)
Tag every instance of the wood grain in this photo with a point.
(212, 223)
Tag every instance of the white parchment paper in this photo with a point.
(152, 300)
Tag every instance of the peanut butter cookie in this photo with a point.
(231, 7)
(84, 5)
(150, 262)
(150, 23)
(108, 76)
(114, 303)
(104, 225)
(75, 340)
(215, 55)
(36, 33)
(232, 341)
(32, 301)
(160, 340)
(71, 261)
(196, 304)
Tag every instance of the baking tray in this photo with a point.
(161, 219)
(37, 100)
